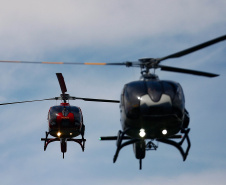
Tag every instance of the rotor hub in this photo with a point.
(146, 64)
(65, 97)
(149, 63)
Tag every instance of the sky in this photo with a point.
(108, 31)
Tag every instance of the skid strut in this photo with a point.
(63, 142)
(121, 136)
(178, 145)
(150, 145)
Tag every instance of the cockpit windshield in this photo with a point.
(132, 95)
(65, 110)
(134, 91)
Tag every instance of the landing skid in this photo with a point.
(178, 145)
(63, 142)
(121, 136)
(150, 145)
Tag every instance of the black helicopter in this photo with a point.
(65, 122)
(152, 109)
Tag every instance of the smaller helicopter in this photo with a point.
(65, 122)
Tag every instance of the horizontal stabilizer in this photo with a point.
(108, 138)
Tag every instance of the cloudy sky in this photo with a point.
(108, 31)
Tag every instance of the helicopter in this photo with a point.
(152, 109)
(65, 122)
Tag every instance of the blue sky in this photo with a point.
(108, 31)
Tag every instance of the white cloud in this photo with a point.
(33, 27)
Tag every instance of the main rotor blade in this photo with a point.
(69, 63)
(187, 71)
(96, 100)
(27, 101)
(132, 63)
(61, 82)
(127, 63)
(194, 48)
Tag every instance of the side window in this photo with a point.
(122, 95)
(76, 114)
(179, 102)
(180, 93)
(169, 89)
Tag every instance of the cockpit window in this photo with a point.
(132, 95)
(133, 92)
(76, 113)
(54, 112)
(180, 96)
(169, 89)
(65, 111)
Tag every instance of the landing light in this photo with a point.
(142, 132)
(164, 132)
(58, 134)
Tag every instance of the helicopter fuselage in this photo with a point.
(65, 121)
(154, 107)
